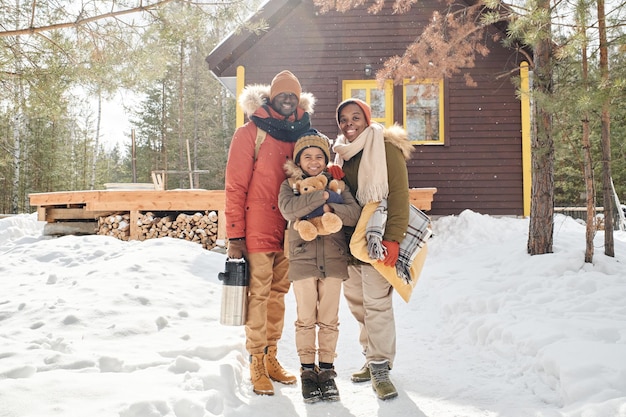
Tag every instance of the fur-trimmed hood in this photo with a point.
(293, 171)
(398, 137)
(256, 95)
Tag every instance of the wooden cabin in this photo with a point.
(472, 143)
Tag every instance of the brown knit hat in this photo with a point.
(285, 82)
(311, 138)
(367, 111)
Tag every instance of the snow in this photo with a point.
(94, 326)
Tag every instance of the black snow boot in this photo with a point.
(326, 381)
(311, 392)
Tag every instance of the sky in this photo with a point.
(115, 125)
(94, 326)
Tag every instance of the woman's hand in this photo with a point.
(392, 250)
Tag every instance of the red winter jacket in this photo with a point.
(252, 186)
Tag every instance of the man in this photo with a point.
(278, 114)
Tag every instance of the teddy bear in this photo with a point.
(326, 223)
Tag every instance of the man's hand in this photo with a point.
(392, 249)
(237, 248)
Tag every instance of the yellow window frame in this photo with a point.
(418, 111)
(371, 93)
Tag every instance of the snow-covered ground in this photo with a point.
(93, 326)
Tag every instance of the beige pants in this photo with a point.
(266, 300)
(369, 297)
(317, 307)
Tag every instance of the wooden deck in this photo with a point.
(78, 211)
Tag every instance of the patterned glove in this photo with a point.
(336, 172)
(237, 248)
(392, 249)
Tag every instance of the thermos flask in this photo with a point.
(234, 292)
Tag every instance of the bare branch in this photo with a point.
(81, 21)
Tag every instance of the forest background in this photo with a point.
(59, 57)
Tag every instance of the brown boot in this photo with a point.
(274, 370)
(258, 374)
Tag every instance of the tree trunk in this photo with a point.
(181, 141)
(607, 196)
(541, 226)
(164, 134)
(96, 143)
(16, 163)
(590, 230)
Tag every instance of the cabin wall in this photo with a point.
(479, 167)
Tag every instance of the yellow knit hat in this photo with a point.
(285, 82)
(311, 138)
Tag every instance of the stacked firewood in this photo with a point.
(197, 227)
(116, 225)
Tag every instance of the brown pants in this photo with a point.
(266, 300)
(317, 306)
(369, 297)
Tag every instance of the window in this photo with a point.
(423, 111)
(380, 100)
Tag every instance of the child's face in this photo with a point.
(312, 161)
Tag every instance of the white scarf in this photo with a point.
(372, 179)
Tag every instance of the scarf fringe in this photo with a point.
(374, 193)
(375, 248)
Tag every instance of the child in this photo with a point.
(317, 268)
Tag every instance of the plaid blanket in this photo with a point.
(375, 230)
(418, 232)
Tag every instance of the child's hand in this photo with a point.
(336, 172)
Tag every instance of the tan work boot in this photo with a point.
(275, 370)
(381, 383)
(258, 374)
(362, 375)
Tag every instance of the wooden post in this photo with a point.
(134, 225)
(134, 155)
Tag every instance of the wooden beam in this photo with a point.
(53, 214)
(70, 228)
(41, 214)
(85, 205)
(126, 200)
(170, 200)
(422, 197)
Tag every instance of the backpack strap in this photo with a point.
(260, 137)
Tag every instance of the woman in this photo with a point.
(373, 159)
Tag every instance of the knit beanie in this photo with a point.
(311, 138)
(367, 111)
(285, 82)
